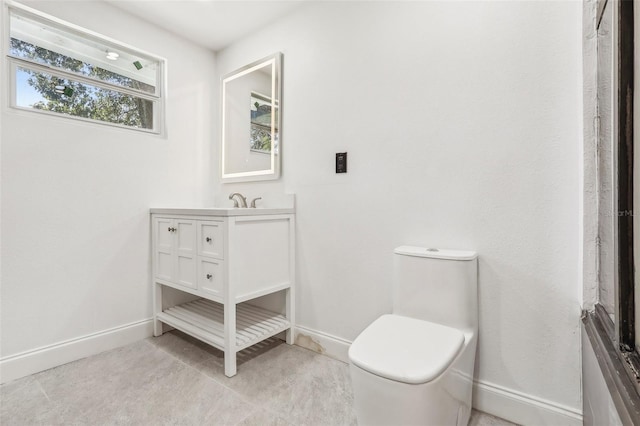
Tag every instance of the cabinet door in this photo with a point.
(185, 237)
(164, 248)
(210, 240)
(210, 278)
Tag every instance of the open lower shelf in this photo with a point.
(204, 319)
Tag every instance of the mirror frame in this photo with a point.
(275, 60)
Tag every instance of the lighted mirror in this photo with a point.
(251, 121)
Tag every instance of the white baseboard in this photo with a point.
(323, 343)
(490, 398)
(522, 408)
(33, 361)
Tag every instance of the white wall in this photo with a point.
(76, 196)
(462, 121)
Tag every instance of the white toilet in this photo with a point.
(415, 366)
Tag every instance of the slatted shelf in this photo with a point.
(204, 319)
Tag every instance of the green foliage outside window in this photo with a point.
(81, 99)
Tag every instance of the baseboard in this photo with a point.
(493, 399)
(33, 361)
(522, 408)
(490, 398)
(326, 344)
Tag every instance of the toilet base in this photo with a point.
(445, 401)
(379, 401)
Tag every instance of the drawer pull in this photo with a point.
(209, 276)
(208, 239)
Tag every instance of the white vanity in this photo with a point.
(222, 259)
(225, 258)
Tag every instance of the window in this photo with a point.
(614, 327)
(58, 68)
(616, 187)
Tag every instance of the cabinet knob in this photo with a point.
(172, 229)
(209, 276)
(208, 239)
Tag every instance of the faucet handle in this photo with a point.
(253, 202)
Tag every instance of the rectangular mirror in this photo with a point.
(251, 121)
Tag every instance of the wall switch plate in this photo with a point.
(341, 162)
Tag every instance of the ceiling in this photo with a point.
(213, 24)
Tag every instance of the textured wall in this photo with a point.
(463, 124)
(75, 196)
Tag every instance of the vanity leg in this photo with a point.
(157, 308)
(230, 340)
(289, 312)
(290, 294)
(230, 368)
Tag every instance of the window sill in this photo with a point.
(614, 367)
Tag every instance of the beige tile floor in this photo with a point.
(177, 380)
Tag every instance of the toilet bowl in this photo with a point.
(415, 366)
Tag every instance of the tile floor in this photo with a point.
(178, 380)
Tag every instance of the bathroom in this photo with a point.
(464, 128)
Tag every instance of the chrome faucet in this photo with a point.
(241, 198)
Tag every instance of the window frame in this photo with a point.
(615, 342)
(12, 63)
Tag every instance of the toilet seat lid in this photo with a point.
(405, 349)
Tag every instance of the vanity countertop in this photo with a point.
(223, 211)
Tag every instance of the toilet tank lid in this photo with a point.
(406, 350)
(436, 253)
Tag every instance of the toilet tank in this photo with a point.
(436, 285)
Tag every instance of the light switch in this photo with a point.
(341, 162)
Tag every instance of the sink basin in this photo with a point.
(224, 211)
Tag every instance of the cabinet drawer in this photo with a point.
(211, 239)
(210, 276)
